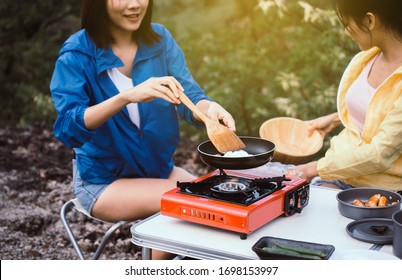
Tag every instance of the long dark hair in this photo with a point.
(389, 12)
(95, 20)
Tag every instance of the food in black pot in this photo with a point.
(347, 198)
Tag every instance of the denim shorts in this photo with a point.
(87, 193)
(317, 181)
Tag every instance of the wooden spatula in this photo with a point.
(221, 137)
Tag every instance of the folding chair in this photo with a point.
(75, 204)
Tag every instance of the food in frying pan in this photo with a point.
(376, 200)
(373, 201)
(237, 154)
(383, 201)
(358, 202)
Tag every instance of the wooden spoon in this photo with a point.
(221, 137)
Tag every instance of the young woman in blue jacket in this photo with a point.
(115, 88)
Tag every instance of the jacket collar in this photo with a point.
(145, 52)
(106, 59)
(351, 73)
(368, 55)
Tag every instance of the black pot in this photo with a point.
(346, 208)
(261, 152)
(397, 237)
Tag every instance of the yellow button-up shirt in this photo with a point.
(371, 158)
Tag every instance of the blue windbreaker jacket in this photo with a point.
(119, 149)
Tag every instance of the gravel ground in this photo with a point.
(35, 181)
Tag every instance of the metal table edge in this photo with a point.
(148, 241)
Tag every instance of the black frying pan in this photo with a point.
(261, 152)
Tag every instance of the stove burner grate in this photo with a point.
(232, 189)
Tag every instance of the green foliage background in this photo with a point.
(31, 33)
(258, 58)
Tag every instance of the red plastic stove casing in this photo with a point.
(235, 217)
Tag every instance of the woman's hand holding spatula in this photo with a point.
(223, 138)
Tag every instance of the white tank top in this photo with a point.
(359, 95)
(123, 83)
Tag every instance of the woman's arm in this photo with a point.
(324, 124)
(177, 67)
(216, 112)
(346, 161)
(98, 114)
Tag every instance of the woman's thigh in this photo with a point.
(133, 199)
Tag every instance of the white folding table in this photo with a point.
(319, 222)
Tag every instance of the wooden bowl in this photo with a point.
(293, 145)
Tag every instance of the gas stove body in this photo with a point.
(235, 200)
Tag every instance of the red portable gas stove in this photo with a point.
(235, 200)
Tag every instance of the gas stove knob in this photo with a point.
(303, 197)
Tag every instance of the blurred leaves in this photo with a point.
(31, 35)
(258, 58)
(269, 58)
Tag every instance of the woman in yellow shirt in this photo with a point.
(367, 152)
